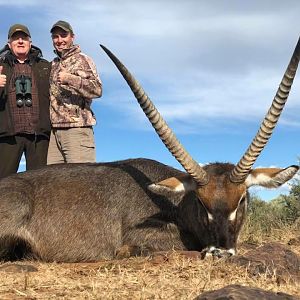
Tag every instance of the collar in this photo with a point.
(68, 52)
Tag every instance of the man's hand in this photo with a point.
(2, 78)
(62, 77)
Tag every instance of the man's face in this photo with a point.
(62, 39)
(20, 44)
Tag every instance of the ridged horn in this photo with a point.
(242, 169)
(163, 130)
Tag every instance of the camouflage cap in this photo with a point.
(18, 27)
(63, 25)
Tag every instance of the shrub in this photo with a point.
(274, 219)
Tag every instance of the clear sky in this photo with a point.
(211, 67)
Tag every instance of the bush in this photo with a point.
(289, 208)
(272, 218)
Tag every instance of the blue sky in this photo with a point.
(212, 69)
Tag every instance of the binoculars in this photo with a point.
(23, 91)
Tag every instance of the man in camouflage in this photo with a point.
(74, 82)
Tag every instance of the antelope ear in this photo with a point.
(179, 184)
(270, 177)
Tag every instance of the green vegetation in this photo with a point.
(275, 218)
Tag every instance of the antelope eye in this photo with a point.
(242, 201)
(209, 216)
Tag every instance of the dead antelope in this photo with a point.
(85, 212)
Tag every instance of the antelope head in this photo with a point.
(221, 188)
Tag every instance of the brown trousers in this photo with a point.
(12, 148)
(71, 145)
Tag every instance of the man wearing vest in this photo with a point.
(24, 103)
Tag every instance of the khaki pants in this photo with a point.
(71, 145)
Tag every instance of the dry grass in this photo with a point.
(253, 233)
(176, 277)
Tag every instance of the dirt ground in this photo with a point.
(170, 276)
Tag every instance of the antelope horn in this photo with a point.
(241, 170)
(163, 130)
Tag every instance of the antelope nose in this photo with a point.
(216, 253)
(221, 253)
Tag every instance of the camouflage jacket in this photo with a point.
(71, 102)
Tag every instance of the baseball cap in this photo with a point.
(63, 25)
(18, 27)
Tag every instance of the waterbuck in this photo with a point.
(87, 212)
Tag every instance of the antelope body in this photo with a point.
(85, 212)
